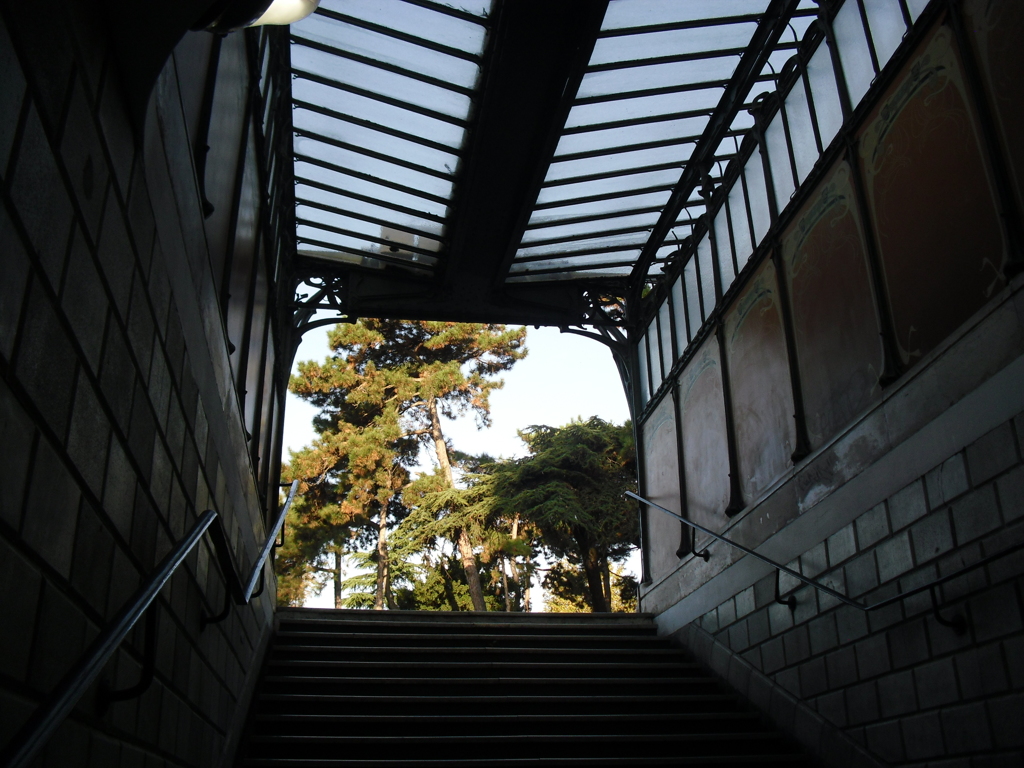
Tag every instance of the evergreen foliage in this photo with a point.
(380, 395)
(464, 536)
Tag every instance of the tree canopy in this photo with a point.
(381, 394)
(463, 536)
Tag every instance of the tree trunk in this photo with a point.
(476, 592)
(606, 580)
(592, 568)
(337, 577)
(504, 587)
(382, 562)
(527, 578)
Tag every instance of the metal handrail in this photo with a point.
(957, 622)
(238, 591)
(32, 736)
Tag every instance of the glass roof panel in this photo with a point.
(662, 130)
(372, 166)
(423, 23)
(381, 81)
(719, 67)
(400, 53)
(370, 231)
(616, 185)
(608, 207)
(374, 111)
(317, 233)
(359, 136)
(583, 274)
(619, 161)
(589, 245)
(674, 42)
(635, 13)
(646, 106)
(346, 183)
(382, 97)
(643, 221)
(305, 192)
(569, 261)
(658, 72)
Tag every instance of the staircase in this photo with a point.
(414, 688)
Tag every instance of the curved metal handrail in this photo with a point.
(45, 720)
(957, 622)
(238, 591)
(32, 736)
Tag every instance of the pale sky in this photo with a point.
(563, 377)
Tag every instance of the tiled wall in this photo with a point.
(117, 414)
(908, 689)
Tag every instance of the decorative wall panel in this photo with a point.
(762, 394)
(835, 324)
(661, 482)
(997, 29)
(705, 446)
(931, 201)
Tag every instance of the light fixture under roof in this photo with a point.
(283, 12)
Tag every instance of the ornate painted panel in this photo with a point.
(997, 29)
(705, 446)
(931, 201)
(759, 381)
(835, 323)
(661, 484)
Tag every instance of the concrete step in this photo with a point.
(403, 690)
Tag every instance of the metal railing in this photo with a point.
(957, 623)
(32, 737)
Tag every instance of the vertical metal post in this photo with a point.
(735, 504)
(892, 364)
(685, 546)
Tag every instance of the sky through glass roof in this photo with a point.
(383, 95)
(656, 76)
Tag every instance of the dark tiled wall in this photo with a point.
(109, 450)
(908, 689)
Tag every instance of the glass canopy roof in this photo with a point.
(657, 74)
(383, 94)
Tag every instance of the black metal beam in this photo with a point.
(539, 53)
(763, 44)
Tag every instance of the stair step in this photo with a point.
(373, 651)
(288, 636)
(465, 669)
(384, 725)
(782, 758)
(405, 690)
(503, 685)
(312, 704)
(613, 744)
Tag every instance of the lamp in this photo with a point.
(286, 12)
(231, 15)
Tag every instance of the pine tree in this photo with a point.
(572, 489)
(381, 395)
